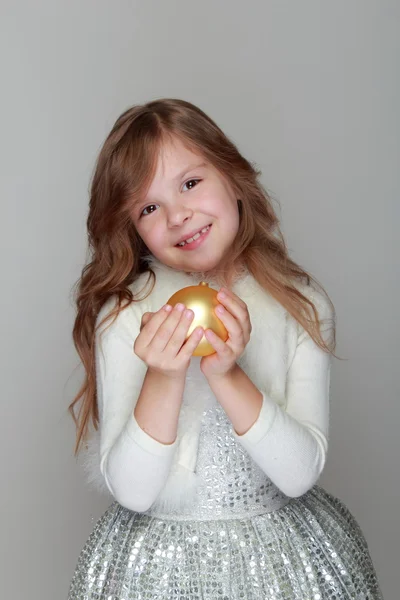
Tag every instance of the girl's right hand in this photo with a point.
(161, 341)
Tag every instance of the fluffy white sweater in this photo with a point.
(288, 440)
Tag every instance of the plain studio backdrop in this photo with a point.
(310, 92)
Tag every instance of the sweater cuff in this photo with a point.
(145, 441)
(260, 428)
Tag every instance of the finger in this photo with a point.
(147, 315)
(226, 295)
(228, 292)
(232, 325)
(179, 335)
(219, 345)
(145, 319)
(166, 329)
(191, 343)
(238, 309)
(150, 328)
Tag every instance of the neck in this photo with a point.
(219, 276)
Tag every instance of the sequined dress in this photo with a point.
(241, 539)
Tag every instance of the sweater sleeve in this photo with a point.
(290, 444)
(135, 466)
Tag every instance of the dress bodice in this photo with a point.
(230, 484)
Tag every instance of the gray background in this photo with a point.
(310, 92)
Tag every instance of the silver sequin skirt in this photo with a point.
(310, 549)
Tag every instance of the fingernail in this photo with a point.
(167, 307)
(221, 295)
(220, 309)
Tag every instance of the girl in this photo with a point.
(212, 461)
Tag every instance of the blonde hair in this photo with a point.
(123, 172)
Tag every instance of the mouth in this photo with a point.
(195, 241)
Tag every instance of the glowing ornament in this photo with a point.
(202, 300)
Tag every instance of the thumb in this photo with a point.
(145, 319)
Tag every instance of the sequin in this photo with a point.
(241, 539)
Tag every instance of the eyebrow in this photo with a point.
(190, 168)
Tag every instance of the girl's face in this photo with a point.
(186, 195)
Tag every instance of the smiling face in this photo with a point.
(186, 195)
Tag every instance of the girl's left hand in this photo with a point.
(236, 319)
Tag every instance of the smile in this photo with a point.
(196, 240)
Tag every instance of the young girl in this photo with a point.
(212, 461)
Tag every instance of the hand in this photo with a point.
(161, 342)
(236, 319)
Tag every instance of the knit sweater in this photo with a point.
(289, 439)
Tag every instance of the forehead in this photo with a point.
(174, 156)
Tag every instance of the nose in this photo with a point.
(178, 214)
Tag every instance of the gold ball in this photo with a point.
(202, 300)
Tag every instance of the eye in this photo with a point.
(192, 181)
(143, 213)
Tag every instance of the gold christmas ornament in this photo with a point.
(202, 300)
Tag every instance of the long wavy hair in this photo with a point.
(123, 172)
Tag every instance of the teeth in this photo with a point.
(195, 237)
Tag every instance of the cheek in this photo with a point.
(151, 235)
(214, 201)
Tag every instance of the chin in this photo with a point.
(202, 264)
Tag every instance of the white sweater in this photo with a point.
(288, 441)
